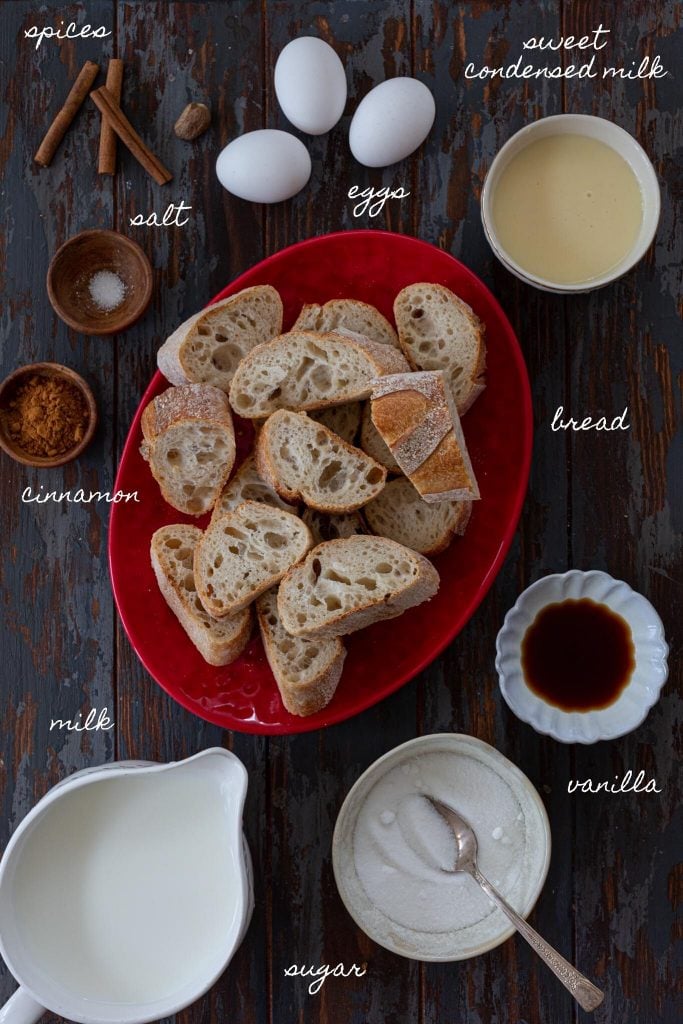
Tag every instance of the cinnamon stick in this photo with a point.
(107, 156)
(120, 124)
(58, 128)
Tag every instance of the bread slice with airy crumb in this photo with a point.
(189, 443)
(400, 514)
(304, 461)
(438, 331)
(302, 370)
(172, 553)
(306, 671)
(417, 418)
(207, 347)
(350, 314)
(374, 445)
(247, 485)
(343, 420)
(346, 585)
(244, 553)
(333, 527)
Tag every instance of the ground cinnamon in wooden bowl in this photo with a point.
(47, 415)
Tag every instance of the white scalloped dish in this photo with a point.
(642, 691)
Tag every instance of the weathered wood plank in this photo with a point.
(56, 628)
(311, 774)
(626, 520)
(460, 693)
(175, 53)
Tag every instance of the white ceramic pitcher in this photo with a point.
(224, 779)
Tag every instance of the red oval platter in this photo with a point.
(372, 266)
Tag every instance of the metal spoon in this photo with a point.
(584, 991)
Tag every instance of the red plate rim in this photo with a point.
(301, 725)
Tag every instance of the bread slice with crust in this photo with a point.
(438, 331)
(374, 445)
(189, 443)
(306, 671)
(247, 485)
(332, 527)
(400, 514)
(244, 553)
(304, 461)
(219, 641)
(416, 417)
(351, 314)
(303, 370)
(343, 420)
(346, 585)
(207, 347)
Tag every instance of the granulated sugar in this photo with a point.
(403, 848)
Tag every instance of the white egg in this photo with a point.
(391, 122)
(264, 166)
(310, 84)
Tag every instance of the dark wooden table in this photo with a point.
(610, 501)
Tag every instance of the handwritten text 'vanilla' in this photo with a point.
(627, 784)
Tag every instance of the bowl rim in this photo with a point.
(638, 250)
(457, 740)
(118, 240)
(66, 373)
(509, 629)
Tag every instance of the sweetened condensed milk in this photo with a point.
(567, 208)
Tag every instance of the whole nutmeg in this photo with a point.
(193, 122)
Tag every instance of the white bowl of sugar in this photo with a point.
(387, 855)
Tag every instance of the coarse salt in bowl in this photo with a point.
(388, 859)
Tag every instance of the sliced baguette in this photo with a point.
(343, 420)
(304, 461)
(417, 418)
(172, 553)
(438, 331)
(303, 370)
(350, 314)
(208, 346)
(189, 443)
(325, 527)
(306, 671)
(400, 514)
(247, 485)
(345, 585)
(373, 444)
(244, 553)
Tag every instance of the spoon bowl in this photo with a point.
(465, 836)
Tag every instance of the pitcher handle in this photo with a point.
(21, 1008)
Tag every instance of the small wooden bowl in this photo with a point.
(73, 266)
(8, 389)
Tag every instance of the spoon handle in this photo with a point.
(584, 991)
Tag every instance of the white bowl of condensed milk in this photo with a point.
(570, 203)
